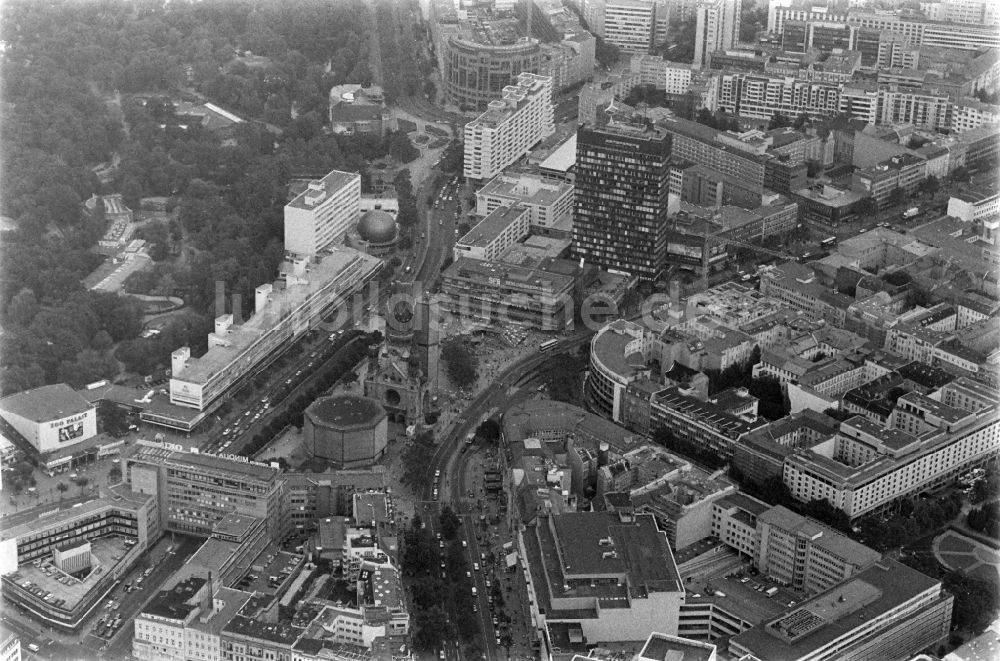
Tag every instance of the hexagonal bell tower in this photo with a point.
(398, 381)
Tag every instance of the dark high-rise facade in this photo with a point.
(620, 218)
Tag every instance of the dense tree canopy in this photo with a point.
(92, 86)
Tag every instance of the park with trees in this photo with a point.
(92, 84)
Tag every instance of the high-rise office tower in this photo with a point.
(622, 179)
(718, 28)
(630, 24)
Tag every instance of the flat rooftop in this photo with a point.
(326, 187)
(559, 158)
(46, 403)
(548, 418)
(706, 412)
(50, 515)
(739, 600)
(830, 196)
(957, 243)
(346, 410)
(834, 613)
(662, 647)
(641, 548)
(147, 452)
(492, 226)
(373, 506)
(234, 525)
(106, 553)
(947, 413)
(233, 601)
(612, 347)
(282, 301)
(527, 187)
(177, 602)
(514, 98)
(510, 275)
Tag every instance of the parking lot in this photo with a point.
(151, 571)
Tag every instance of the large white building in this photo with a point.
(630, 24)
(888, 611)
(549, 202)
(671, 77)
(866, 467)
(308, 288)
(323, 213)
(612, 574)
(494, 234)
(717, 28)
(510, 127)
(974, 206)
(50, 417)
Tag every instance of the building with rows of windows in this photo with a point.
(622, 182)
(517, 121)
(309, 287)
(195, 491)
(923, 443)
(59, 560)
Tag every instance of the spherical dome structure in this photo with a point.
(348, 431)
(377, 227)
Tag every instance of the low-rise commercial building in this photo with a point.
(50, 417)
(308, 289)
(904, 172)
(549, 203)
(610, 576)
(886, 611)
(972, 206)
(95, 540)
(488, 293)
(494, 234)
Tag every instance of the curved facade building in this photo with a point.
(347, 431)
(476, 72)
(617, 356)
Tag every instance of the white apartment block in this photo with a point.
(549, 202)
(630, 24)
(510, 127)
(653, 70)
(972, 206)
(323, 213)
(761, 96)
(969, 114)
(498, 231)
(718, 28)
(973, 12)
